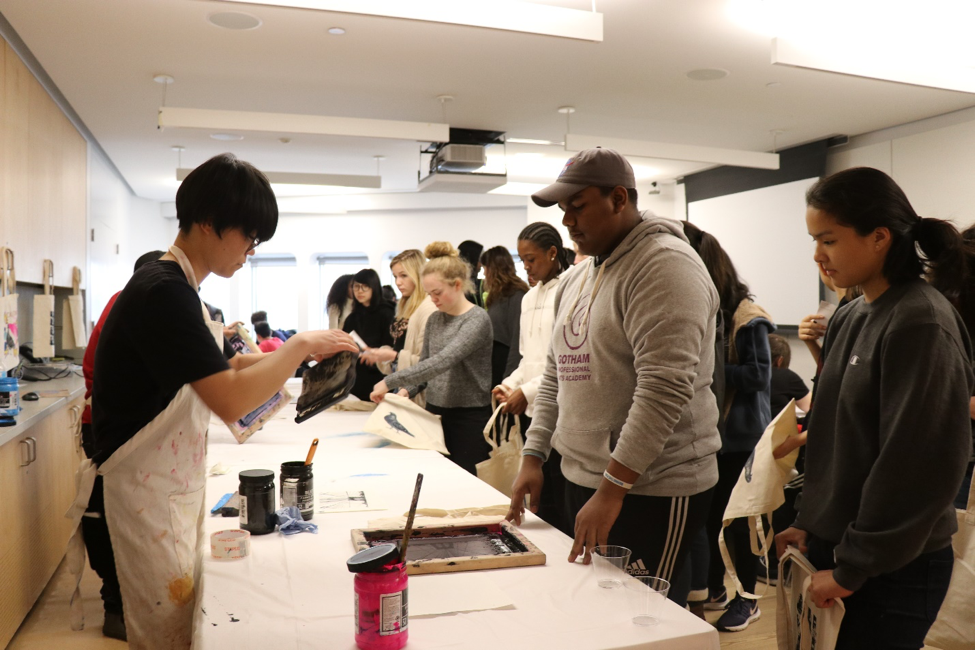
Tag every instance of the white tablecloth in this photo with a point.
(295, 591)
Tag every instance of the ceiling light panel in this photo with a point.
(670, 151)
(216, 120)
(866, 38)
(296, 178)
(507, 15)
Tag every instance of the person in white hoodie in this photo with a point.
(545, 258)
(625, 397)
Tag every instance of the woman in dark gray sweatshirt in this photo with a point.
(889, 433)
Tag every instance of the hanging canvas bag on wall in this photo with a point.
(73, 333)
(10, 346)
(44, 316)
(501, 468)
(954, 629)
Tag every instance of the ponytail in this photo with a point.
(943, 256)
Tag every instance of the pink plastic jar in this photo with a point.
(381, 603)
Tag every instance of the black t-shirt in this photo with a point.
(786, 385)
(373, 326)
(153, 343)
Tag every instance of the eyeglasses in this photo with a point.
(360, 287)
(255, 242)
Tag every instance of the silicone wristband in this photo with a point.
(615, 481)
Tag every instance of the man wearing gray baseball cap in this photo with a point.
(625, 397)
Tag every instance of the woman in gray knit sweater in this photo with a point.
(455, 365)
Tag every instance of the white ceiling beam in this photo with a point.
(670, 151)
(217, 120)
(876, 65)
(507, 15)
(298, 178)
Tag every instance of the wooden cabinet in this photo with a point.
(37, 485)
(43, 177)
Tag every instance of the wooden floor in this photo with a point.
(47, 626)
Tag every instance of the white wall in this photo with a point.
(125, 227)
(932, 160)
(372, 233)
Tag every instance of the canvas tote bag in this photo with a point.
(760, 489)
(799, 624)
(10, 346)
(954, 629)
(401, 421)
(73, 334)
(501, 468)
(44, 316)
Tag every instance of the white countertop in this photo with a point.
(33, 412)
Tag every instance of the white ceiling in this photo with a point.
(102, 54)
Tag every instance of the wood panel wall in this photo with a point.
(43, 177)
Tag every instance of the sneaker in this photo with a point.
(697, 595)
(741, 613)
(717, 600)
(767, 574)
(114, 627)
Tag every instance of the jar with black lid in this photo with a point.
(257, 501)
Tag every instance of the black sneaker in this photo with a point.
(114, 627)
(741, 613)
(769, 575)
(717, 600)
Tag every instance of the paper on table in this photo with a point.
(448, 593)
(346, 501)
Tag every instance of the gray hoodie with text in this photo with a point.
(629, 370)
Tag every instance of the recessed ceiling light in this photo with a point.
(234, 20)
(226, 137)
(707, 74)
(338, 31)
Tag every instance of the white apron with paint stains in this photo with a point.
(154, 503)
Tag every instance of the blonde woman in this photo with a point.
(412, 312)
(455, 362)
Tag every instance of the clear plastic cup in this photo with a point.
(646, 596)
(609, 565)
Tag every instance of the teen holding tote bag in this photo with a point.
(890, 433)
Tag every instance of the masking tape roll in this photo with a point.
(230, 544)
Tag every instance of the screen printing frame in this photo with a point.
(363, 538)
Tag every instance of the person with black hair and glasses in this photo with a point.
(151, 409)
(370, 319)
(889, 432)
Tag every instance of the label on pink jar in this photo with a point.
(393, 615)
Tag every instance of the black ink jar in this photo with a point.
(298, 487)
(257, 501)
